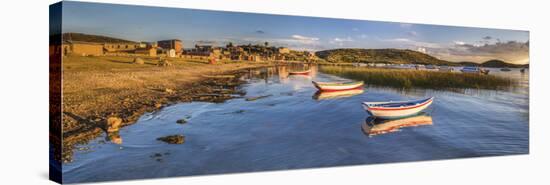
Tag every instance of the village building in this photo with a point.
(167, 45)
(283, 50)
(129, 47)
(146, 51)
(82, 48)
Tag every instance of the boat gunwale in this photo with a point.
(369, 105)
(337, 83)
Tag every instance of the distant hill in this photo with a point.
(396, 56)
(500, 63)
(494, 63)
(466, 63)
(93, 38)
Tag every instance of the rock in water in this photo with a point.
(181, 121)
(138, 61)
(173, 139)
(113, 124)
(114, 137)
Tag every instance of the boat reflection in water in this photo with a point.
(376, 126)
(324, 95)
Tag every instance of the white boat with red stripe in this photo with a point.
(398, 109)
(338, 86)
(305, 72)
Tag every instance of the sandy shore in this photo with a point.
(96, 88)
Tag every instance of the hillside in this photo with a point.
(397, 56)
(93, 38)
(500, 63)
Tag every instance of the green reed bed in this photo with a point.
(405, 78)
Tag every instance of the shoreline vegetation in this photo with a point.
(404, 78)
(99, 89)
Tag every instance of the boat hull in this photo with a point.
(397, 112)
(329, 87)
(299, 72)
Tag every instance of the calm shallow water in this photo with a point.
(293, 129)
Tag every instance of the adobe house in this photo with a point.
(82, 48)
(147, 48)
(121, 47)
(174, 44)
(147, 51)
(284, 50)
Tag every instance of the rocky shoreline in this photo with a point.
(87, 116)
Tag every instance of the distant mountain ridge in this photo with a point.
(500, 63)
(93, 38)
(395, 56)
(399, 56)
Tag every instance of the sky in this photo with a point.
(141, 23)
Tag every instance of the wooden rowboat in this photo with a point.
(394, 110)
(306, 72)
(337, 86)
(374, 126)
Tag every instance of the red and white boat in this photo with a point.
(306, 72)
(337, 86)
(393, 110)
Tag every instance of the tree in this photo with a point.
(266, 44)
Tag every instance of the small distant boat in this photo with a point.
(323, 95)
(431, 67)
(472, 69)
(505, 69)
(400, 109)
(374, 126)
(337, 86)
(306, 72)
(446, 69)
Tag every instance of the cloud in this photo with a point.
(412, 33)
(400, 40)
(304, 38)
(412, 44)
(511, 51)
(363, 36)
(459, 43)
(487, 38)
(340, 41)
(260, 31)
(355, 29)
